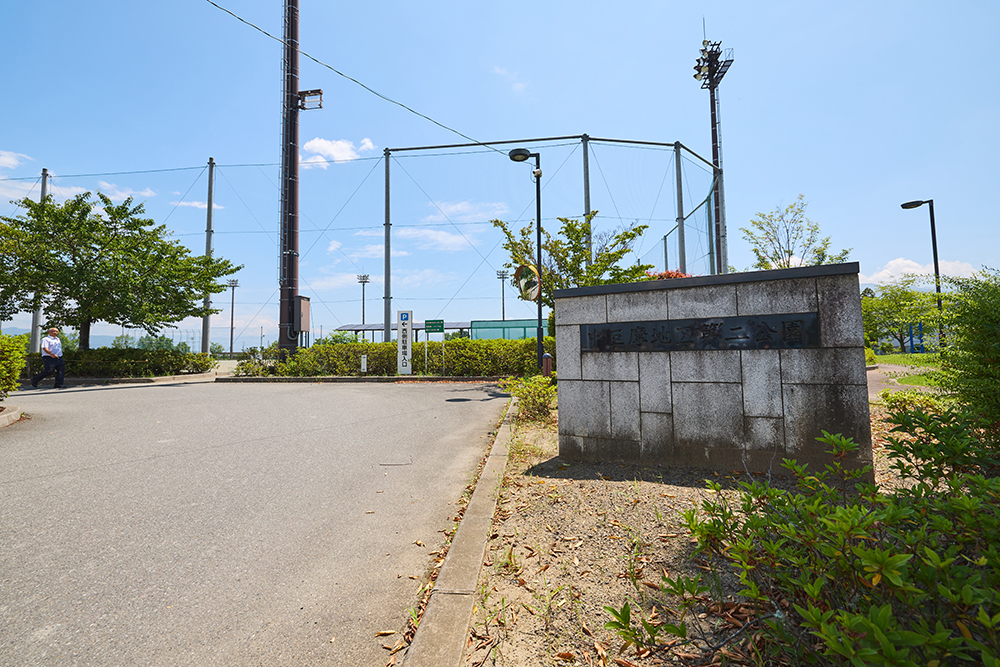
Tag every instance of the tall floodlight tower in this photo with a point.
(292, 101)
(709, 69)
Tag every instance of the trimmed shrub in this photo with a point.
(463, 357)
(870, 358)
(107, 362)
(13, 352)
(912, 399)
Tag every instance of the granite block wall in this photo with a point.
(728, 372)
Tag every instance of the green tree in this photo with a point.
(890, 309)
(564, 256)
(124, 342)
(786, 238)
(337, 338)
(84, 262)
(155, 343)
(971, 359)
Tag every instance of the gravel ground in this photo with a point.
(569, 538)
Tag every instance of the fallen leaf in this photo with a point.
(418, 543)
(568, 657)
(385, 633)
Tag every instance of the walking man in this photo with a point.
(52, 361)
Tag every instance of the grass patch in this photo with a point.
(929, 360)
(919, 381)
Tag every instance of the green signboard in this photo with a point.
(434, 326)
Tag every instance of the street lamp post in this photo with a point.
(502, 276)
(937, 271)
(233, 284)
(520, 155)
(363, 279)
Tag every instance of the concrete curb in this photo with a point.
(363, 378)
(9, 415)
(440, 637)
(90, 382)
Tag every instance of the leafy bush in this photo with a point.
(912, 399)
(870, 358)
(851, 576)
(106, 362)
(13, 351)
(971, 350)
(462, 357)
(534, 395)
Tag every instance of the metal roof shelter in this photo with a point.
(417, 326)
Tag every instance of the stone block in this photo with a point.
(761, 383)
(707, 415)
(621, 366)
(637, 306)
(584, 409)
(840, 311)
(625, 423)
(813, 408)
(777, 297)
(834, 365)
(704, 301)
(657, 438)
(765, 433)
(705, 366)
(582, 310)
(654, 382)
(568, 352)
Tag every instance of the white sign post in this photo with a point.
(404, 342)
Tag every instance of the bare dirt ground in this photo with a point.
(570, 538)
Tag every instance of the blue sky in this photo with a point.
(857, 106)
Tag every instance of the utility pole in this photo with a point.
(35, 339)
(293, 100)
(709, 69)
(206, 321)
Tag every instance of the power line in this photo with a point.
(351, 79)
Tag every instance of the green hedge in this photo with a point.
(462, 357)
(106, 362)
(13, 350)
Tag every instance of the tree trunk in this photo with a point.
(85, 335)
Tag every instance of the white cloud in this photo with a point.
(465, 211)
(376, 250)
(511, 77)
(435, 239)
(9, 160)
(21, 189)
(336, 150)
(197, 204)
(419, 279)
(335, 281)
(334, 246)
(116, 193)
(895, 269)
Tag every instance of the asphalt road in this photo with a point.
(227, 524)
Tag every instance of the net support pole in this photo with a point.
(387, 299)
(681, 252)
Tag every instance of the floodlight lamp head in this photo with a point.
(913, 204)
(705, 43)
(519, 154)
